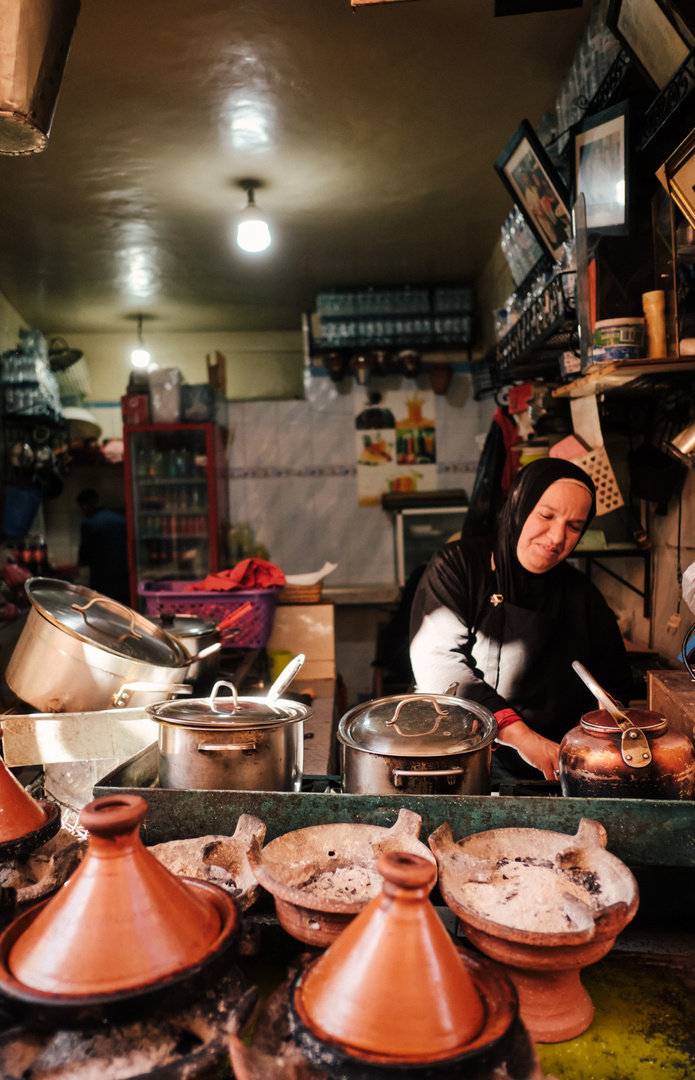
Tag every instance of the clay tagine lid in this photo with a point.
(393, 982)
(122, 921)
(19, 812)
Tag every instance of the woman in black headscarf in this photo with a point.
(504, 619)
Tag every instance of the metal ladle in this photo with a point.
(634, 746)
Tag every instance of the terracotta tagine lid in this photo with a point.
(19, 812)
(122, 921)
(397, 951)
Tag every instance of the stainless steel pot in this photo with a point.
(80, 651)
(198, 636)
(231, 743)
(421, 744)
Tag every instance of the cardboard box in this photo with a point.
(135, 409)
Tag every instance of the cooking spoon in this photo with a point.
(285, 678)
(633, 744)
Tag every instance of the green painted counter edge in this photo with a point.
(645, 832)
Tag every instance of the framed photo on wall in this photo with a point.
(600, 160)
(645, 29)
(528, 174)
(678, 177)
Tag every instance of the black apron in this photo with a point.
(527, 657)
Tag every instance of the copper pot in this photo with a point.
(595, 763)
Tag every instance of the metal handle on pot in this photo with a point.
(215, 691)
(129, 613)
(398, 774)
(416, 697)
(634, 746)
(228, 746)
(123, 696)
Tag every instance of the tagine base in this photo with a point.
(554, 1003)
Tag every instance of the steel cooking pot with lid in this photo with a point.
(81, 651)
(420, 744)
(198, 636)
(231, 743)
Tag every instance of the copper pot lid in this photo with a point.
(393, 982)
(600, 720)
(418, 725)
(98, 620)
(228, 713)
(121, 922)
(19, 812)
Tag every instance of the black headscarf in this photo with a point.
(517, 585)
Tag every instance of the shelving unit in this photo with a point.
(422, 317)
(600, 378)
(545, 329)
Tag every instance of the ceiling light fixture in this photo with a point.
(140, 357)
(253, 233)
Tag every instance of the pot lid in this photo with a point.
(185, 626)
(601, 720)
(228, 713)
(144, 924)
(419, 725)
(103, 622)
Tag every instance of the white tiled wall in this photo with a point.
(293, 476)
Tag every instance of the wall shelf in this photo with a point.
(600, 378)
(547, 327)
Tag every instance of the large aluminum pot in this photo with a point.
(80, 651)
(421, 744)
(231, 743)
(202, 641)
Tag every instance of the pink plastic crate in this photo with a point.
(251, 632)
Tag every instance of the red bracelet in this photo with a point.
(505, 717)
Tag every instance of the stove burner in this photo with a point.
(179, 1045)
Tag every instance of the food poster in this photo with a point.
(396, 443)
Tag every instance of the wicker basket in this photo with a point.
(300, 594)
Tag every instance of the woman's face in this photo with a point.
(553, 527)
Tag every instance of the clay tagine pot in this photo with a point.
(121, 924)
(394, 996)
(544, 905)
(25, 823)
(321, 877)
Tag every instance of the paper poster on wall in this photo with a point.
(396, 443)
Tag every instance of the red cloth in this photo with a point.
(248, 574)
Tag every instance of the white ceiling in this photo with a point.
(373, 131)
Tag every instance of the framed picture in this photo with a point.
(600, 155)
(658, 46)
(677, 175)
(529, 176)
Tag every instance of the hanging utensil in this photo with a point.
(634, 747)
(285, 678)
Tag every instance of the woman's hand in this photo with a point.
(542, 754)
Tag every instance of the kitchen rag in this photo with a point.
(248, 574)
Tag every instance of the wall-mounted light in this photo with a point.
(140, 357)
(683, 446)
(252, 233)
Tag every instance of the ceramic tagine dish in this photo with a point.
(393, 997)
(122, 934)
(25, 823)
(544, 905)
(322, 876)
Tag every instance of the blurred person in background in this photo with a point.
(104, 547)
